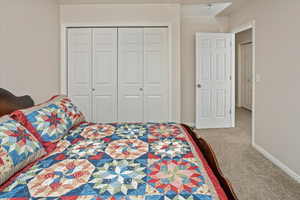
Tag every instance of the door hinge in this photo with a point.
(230, 78)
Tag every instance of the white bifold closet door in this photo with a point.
(130, 74)
(143, 75)
(156, 75)
(119, 74)
(79, 69)
(104, 75)
(92, 72)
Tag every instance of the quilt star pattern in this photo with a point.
(18, 148)
(50, 121)
(126, 161)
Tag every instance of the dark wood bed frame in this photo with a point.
(10, 103)
(212, 161)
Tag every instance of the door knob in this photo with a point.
(141, 89)
(199, 86)
(93, 89)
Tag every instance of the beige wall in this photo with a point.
(29, 47)
(244, 36)
(277, 62)
(132, 15)
(189, 27)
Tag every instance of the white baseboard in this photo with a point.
(278, 163)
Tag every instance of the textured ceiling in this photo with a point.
(235, 3)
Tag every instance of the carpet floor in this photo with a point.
(252, 175)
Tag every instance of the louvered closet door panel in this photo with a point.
(156, 108)
(79, 68)
(130, 74)
(104, 75)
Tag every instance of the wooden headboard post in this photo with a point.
(9, 102)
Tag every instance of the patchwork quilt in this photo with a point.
(133, 161)
(18, 148)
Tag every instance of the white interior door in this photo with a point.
(156, 98)
(104, 75)
(79, 68)
(246, 75)
(214, 91)
(130, 74)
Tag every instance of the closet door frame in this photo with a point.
(173, 114)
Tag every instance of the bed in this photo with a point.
(151, 161)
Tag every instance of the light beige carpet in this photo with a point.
(253, 176)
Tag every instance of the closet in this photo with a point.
(119, 74)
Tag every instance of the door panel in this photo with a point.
(213, 80)
(104, 75)
(246, 72)
(250, 77)
(156, 107)
(79, 69)
(130, 74)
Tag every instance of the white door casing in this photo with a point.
(104, 75)
(246, 75)
(214, 80)
(79, 69)
(130, 74)
(156, 75)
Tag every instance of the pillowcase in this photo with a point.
(50, 121)
(18, 148)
